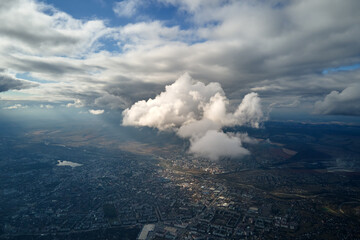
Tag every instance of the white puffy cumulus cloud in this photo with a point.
(47, 106)
(198, 112)
(346, 102)
(16, 106)
(77, 103)
(96, 112)
(215, 144)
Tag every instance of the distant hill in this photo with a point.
(309, 155)
(307, 158)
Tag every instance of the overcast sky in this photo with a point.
(107, 55)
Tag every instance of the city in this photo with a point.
(115, 193)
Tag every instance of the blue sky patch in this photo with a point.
(27, 76)
(341, 69)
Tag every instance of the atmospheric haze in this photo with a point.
(198, 112)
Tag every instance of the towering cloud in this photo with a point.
(198, 112)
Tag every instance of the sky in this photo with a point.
(191, 66)
(106, 55)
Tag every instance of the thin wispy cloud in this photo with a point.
(127, 8)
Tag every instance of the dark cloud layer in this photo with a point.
(10, 83)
